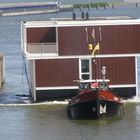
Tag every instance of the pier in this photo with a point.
(2, 70)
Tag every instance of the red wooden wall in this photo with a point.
(118, 70)
(115, 39)
(62, 72)
(56, 72)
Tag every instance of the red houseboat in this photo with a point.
(56, 53)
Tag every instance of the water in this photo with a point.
(49, 121)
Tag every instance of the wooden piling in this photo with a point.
(2, 70)
(113, 6)
(137, 5)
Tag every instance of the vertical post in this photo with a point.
(137, 5)
(100, 40)
(2, 70)
(34, 81)
(136, 77)
(94, 60)
(74, 15)
(82, 15)
(56, 40)
(87, 16)
(24, 37)
(113, 6)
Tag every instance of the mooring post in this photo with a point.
(137, 5)
(2, 70)
(113, 6)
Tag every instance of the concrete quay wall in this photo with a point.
(15, 9)
(29, 12)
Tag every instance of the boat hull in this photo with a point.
(95, 109)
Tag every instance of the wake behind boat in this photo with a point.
(95, 100)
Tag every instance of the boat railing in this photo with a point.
(91, 80)
(42, 48)
(93, 84)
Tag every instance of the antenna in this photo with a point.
(100, 33)
(103, 73)
(100, 41)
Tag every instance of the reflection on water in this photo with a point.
(34, 122)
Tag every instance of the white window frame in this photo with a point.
(90, 68)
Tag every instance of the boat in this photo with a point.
(95, 100)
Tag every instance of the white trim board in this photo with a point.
(67, 23)
(56, 88)
(76, 87)
(43, 56)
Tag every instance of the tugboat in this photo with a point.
(95, 100)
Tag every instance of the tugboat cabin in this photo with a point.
(86, 85)
(60, 51)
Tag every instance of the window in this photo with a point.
(85, 69)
